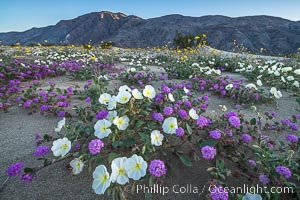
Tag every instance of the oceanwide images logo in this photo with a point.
(203, 190)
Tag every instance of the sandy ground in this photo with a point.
(17, 134)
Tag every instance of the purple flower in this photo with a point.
(291, 138)
(26, 177)
(168, 111)
(102, 114)
(205, 98)
(230, 114)
(204, 106)
(43, 93)
(159, 98)
(27, 104)
(165, 89)
(18, 99)
(286, 122)
(293, 126)
(44, 108)
(252, 163)
(15, 169)
(188, 104)
(202, 121)
(182, 113)
(234, 121)
(41, 151)
(88, 99)
(179, 132)
(246, 138)
(284, 171)
(208, 152)
(157, 116)
(61, 114)
(157, 168)
(95, 146)
(237, 106)
(219, 193)
(62, 104)
(61, 97)
(51, 82)
(215, 134)
(264, 179)
(274, 114)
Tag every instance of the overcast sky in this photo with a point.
(20, 15)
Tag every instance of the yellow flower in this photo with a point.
(197, 37)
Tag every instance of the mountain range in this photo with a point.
(274, 34)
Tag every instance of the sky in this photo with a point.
(20, 15)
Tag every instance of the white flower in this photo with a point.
(249, 196)
(137, 94)
(77, 165)
(171, 97)
(156, 138)
(170, 125)
(259, 83)
(186, 90)
(136, 167)
(273, 90)
(297, 71)
(290, 78)
(276, 73)
(229, 86)
(193, 114)
(296, 84)
(123, 97)
(223, 108)
(277, 94)
(282, 79)
(111, 115)
(131, 69)
(251, 86)
(104, 98)
(102, 128)
(118, 173)
(101, 179)
(60, 125)
(61, 147)
(124, 88)
(112, 103)
(149, 91)
(121, 122)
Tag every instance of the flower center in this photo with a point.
(148, 92)
(137, 166)
(124, 98)
(120, 121)
(104, 178)
(122, 171)
(64, 146)
(172, 126)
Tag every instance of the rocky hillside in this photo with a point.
(276, 35)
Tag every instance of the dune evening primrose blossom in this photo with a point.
(15, 169)
(61, 147)
(121, 122)
(60, 125)
(112, 103)
(95, 146)
(137, 94)
(124, 88)
(284, 171)
(77, 166)
(170, 125)
(218, 193)
(208, 152)
(171, 97)
(101, 180)
(135, 167)
(102, 129)
(193, 114)
(149, 92)
(123, 97)
(249, 196)
(157, 168)
(119, 173)
(111, 115)
(41, 151)
(156, 138)
(104, 98)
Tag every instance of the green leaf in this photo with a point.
(28, 170)
(139, 124)
(189, 129)
(253, 121)
(209, 142)
(124, 143)
(112, 156)
(46, 137)
(185, 159)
